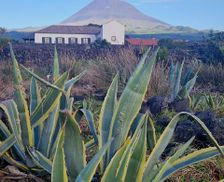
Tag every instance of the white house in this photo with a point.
(113, 32)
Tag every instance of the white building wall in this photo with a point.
(39, 36)
(114, 29)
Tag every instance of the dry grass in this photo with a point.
(100, 72)
(209, 171)
(6, 88)
(212, 75)
(159, 84)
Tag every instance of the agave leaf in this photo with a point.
(117, 168)
(190, 84)
(88, 172)
(41, 79)
(111, 170)
(89, 118)
(151, 133)
(48, 131)
(69, 84)
(6, 133)
(185, 91)
(135, 124)
(172, 159)
(19, 95)
(70, 105)
(74, 148)
(56, 72)
(4, 130)
(137, 161)
(187, 75)
(90, 121)
(90, 144)
(59, 167)
(130, 102)
(40, 160)
(172, 72)
(17, 77)
(55, 140)
(65, 100)
(165, 139)
(7, 144)
(13, 162)
(9, 108)
(49, 102)
(210, 101)
(131, 152)
(178, 79)
(190, 159)
(106, 112)
(35, 99)
(106, 115)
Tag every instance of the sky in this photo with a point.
(199, 14)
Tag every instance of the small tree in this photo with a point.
(3, 41)
(2, 30)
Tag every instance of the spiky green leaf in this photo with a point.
(106, 115)
(137, 161)
(56, 72)
(19, 95)
(111, 170)
(29, 72)
(172, 159)
(7, 144)
(130, 102)
(165, 139)
(35, 99)
(88, 172)
(49, 127)
(74, 148)
(40, 160)
(49, 102)
(59, 168)
(190, 159)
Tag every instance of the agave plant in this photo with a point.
(180, 90)
(211, 102)
(128, 147)
(31, 129)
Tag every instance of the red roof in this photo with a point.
(143, 42)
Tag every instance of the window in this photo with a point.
(86, 40)
(46, 40)
(60, 40)
(113, 38)
(73, 40)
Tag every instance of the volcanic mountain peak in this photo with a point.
(101, 11)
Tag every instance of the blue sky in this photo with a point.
(200, 14)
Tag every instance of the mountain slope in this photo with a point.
(101, 11)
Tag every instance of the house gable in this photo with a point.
(113, 32)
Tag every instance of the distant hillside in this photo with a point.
(17, 36)
(27, 29)
(101, 11)
(175, 36)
